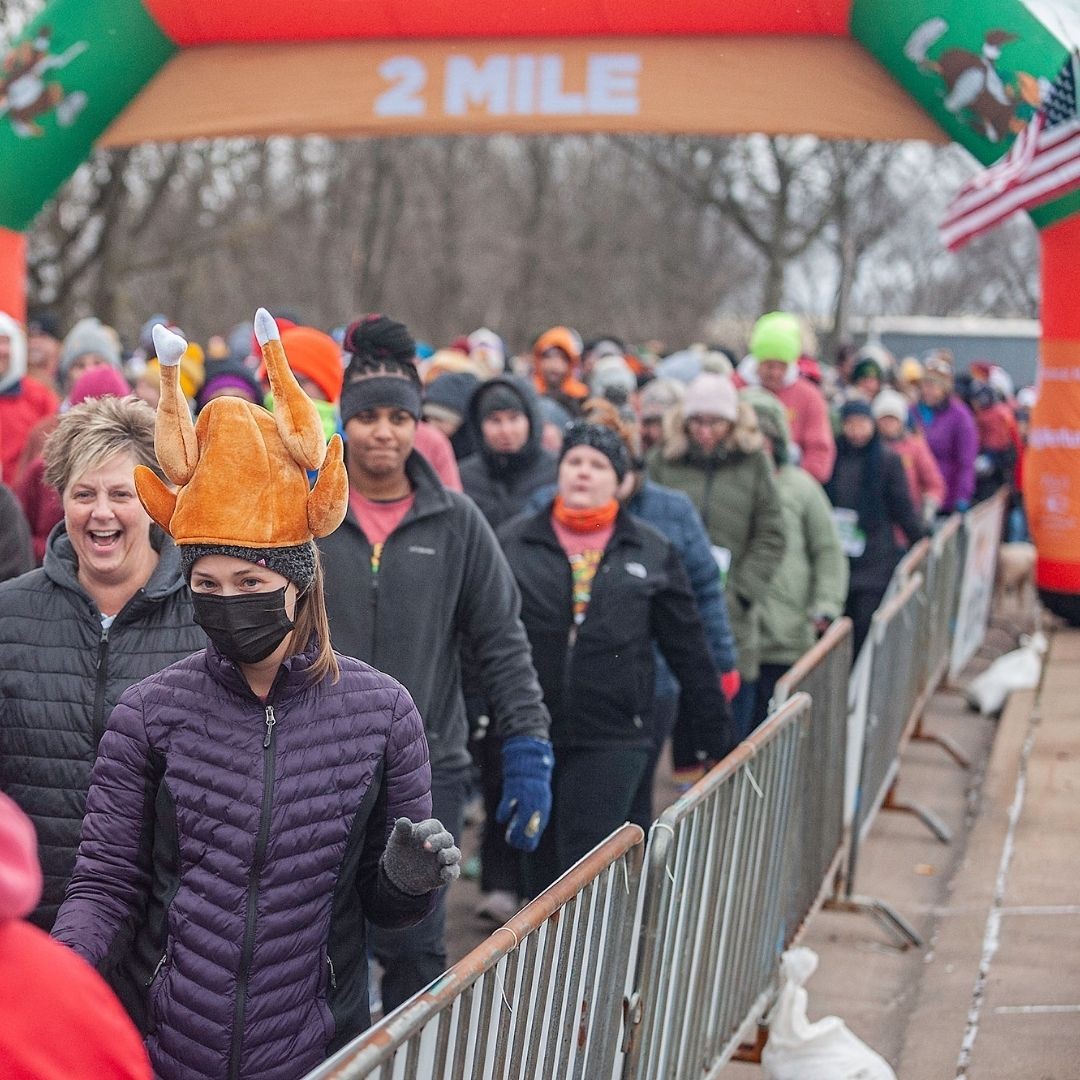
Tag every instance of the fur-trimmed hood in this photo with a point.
(10, 329)
(744, 438)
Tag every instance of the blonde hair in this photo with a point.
(311, 618)
(96, 430)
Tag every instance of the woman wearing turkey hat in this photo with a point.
(252, 805)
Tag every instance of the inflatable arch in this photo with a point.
(120, 72)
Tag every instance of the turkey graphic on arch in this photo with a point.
(26, 93)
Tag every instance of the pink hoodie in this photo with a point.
(20, 872)
(60, 1019)
(807, 417)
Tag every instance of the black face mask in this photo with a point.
(246, 628)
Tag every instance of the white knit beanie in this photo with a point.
(711, 395)
(890, 403)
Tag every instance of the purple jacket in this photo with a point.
(954, 441)
(231, 852)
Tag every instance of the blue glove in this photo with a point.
(526, 798)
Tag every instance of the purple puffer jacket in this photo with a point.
(230, 853)
(954, 441)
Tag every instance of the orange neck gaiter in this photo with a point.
(584, 521)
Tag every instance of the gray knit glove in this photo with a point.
(421, 857)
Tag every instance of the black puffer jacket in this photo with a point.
(598, 680)
(61, 675)
(500, 484)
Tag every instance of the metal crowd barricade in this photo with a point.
(816, 839)
(893, 704)
(713, 917)
(541, 998)
(943, 571)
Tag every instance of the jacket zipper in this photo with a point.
(253, 894)
(706, 509)
(333, 977)
(160, 964)
(99, 689)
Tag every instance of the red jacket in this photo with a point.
(60, 1020)
(20, 410)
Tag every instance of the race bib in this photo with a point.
(852, 538)
(722, 557)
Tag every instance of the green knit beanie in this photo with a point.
(776, 336)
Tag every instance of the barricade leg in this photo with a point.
(938, 827)
(886, 915)
(946, 743)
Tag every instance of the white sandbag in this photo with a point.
(826, 1050)
(1018, 670)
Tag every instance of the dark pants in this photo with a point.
(412, 957)
(742, 708)
(860, 607)
(768, 677)
(665, 710)
(500, 864)
(592, 791)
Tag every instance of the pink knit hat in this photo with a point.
(20, 872)
(710, 394)
(98, 382)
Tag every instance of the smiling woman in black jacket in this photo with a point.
(597, 588)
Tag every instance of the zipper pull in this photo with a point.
(160, 965)
(333, 977)
(103, 643)
(270, 722)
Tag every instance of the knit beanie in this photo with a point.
(241, 472)
(776, 336)
(865, 368)
(890, 403)
(658, 396)
(497, 397)
(559, 337)
(940, 369)
(228, 375)
(711, 395)
(20, 871)
(98, 382)
(315, 356)
(856, 407)
(604, 439)
(90, 336)
(612, 378)
(297, 562)
(452, 393)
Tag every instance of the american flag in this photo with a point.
(1042, 164)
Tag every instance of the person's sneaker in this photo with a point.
(500, 906)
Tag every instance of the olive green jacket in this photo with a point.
(812, 577)
(735, 493)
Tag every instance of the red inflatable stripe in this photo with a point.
(1057, 576)
(238, 21)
